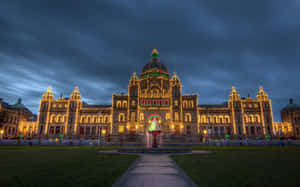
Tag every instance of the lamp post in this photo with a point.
(103, 132)
(1, 134)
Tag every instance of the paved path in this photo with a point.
(154, 171)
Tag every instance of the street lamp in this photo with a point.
(1, 133)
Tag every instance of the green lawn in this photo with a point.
(243, 166)
(60, 166)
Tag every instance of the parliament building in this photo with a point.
(154, 93)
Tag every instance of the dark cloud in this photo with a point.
(97, 45)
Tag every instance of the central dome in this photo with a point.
(154, 67)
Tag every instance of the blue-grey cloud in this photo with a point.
(97, 45)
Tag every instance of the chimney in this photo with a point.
(291, 101)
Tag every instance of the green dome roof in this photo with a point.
(291, 105)
(18, 105)
(155, 64)
(154, 67)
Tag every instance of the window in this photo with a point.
(257, 118)
(82, 120)
(121, 129)
(176, 102)
(188, 117)
(203, 119)
(57, 130)
(52, 119)
(95, 119)
(88, 119)
(227, 119)
(132, 116)
(41, 129)
(167, 116)
(81, 130)
(58, 119)
(188, 130)
(216, 131)
(142, 116)
(133, 103)
(118, 104)
(51, 130)
(176, 116)
(252, 130)
(121, 117)
(222, 131)
(106, 119)
(87, 132)
(124, 104)
(215, 119)
(93, 131)
(191, 104)
(246, 119)
(101, 119)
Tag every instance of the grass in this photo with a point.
(243, 166)
(60, 166)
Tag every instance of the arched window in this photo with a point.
(227, 119)
(121, 117)
(118, 104)
(95, 119)
(88, 119)
(211, 120)
(184, 104)
(106, 119)
(251, 118)
(188, 117)
(124, 104)
(216, 119)
(221, 119)
(100, 119)
(257, 118)
(52, 119)
(133, 103)
(82, 119)
(59, 119)
(191, 104)
(246, 118)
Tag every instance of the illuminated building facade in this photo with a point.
(16, 120)
(155, 95)
(290, 125)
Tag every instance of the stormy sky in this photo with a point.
(97, 45)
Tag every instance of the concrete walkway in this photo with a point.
(154, 170)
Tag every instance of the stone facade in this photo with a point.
(16, 120)
(155, 94)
